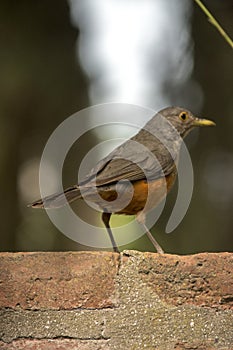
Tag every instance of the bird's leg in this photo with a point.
(106, 218)
(141, 219)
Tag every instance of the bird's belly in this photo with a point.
(145, 195)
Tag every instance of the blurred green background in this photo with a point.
(43, 82)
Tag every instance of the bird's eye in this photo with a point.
(183, 116)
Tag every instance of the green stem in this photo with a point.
(215, 23)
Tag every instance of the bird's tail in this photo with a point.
(58, 200)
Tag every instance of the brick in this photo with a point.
(100, 300)
(203, 279)
(55, 280)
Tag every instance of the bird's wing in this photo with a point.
(132, 161)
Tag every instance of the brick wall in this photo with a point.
(102, 300)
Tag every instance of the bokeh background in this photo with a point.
(58, 57)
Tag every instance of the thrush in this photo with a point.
(136, 176)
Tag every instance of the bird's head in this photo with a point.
(183, 120)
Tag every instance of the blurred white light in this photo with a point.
(28, 181)
(218, 175)
(130, 49)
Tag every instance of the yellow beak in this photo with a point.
(203, 122)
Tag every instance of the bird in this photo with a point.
(137, 175)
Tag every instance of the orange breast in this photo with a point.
(146, 194)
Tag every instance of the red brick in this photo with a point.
(50, 280)
(203, 279)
